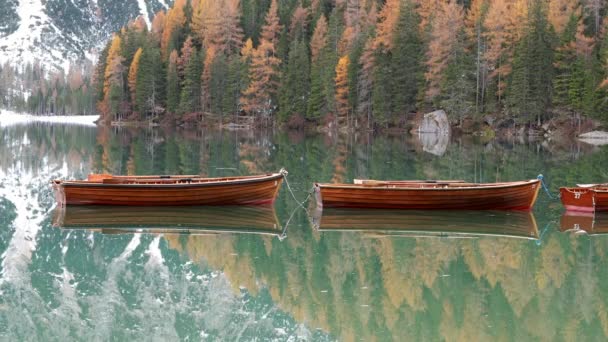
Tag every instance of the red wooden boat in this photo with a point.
(425, 195)
(585, 197)
(169, 190)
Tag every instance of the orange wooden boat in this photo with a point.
(426, 195)
(585, 197)
(169, 190)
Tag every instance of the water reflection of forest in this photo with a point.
(360, 286)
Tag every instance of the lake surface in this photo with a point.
(286, 273)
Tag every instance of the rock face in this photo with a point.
(435, 122)
(58, 32)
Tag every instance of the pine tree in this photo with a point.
(531, 81)
(316, 101)
(173, 83)
(190, 96)
(406, 60)
(150, 84)
(296, 83)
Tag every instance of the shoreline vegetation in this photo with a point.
(496, 67)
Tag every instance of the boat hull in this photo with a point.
(502, 196)
(584, 199)
(247, 191)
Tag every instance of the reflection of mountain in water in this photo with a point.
(71, 284)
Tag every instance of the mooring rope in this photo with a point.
(300, 204)
(542, 182)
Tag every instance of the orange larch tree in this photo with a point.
(132, 78)
(319, 38)
(259, 97)
(446, 24)
(175, 20)
(387, 20)
(342, 105)
(560, 12)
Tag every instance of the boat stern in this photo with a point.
(59, 192)
(578, 199)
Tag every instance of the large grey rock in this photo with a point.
(435, 122)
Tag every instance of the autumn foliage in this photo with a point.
(377, 61)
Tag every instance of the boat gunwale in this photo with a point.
(407, 187)
(218, 182)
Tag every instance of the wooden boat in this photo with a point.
(169, 220)
(585, 197)
(169, 190)
(425, 195)
(589, 223)
(423, 223)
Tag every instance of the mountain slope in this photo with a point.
(58, 32)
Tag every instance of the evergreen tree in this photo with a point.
(295, 85)
(150, 84)
(531, 80)
(406, 60)
(190, 96)
(172, 84)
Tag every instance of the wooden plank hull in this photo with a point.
(424, 196)
(584, 199)
(260, 190)
(169, 220)
(520, 224)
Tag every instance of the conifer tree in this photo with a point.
(531, 80)
(150, 85)
(259, 97)
(342, 105)
(316, 102)
(173, 83)
(406, 60)
(295, 85)
(190, 95)
(133, 69)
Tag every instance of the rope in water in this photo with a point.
(300, 204)
(542, 182)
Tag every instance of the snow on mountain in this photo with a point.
(60, 32)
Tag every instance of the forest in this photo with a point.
(350, 63)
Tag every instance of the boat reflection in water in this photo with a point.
(584, 222)
(199, 220)
(422, 223)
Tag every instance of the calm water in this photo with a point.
(277, 274)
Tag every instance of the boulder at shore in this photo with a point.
(435, 122)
